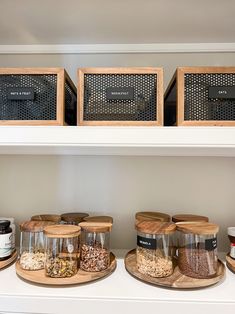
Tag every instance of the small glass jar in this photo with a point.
(197, 253)
(73, 218)
(154, 252)
(95, 246)
(47, 217)
(231, 236)
(147, 215)
(32, 255)
(103, 219)
(5, 239)
(61, 248)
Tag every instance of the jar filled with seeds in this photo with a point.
(47, 217)
(73, 218)
(197, 252)
(61, 248)
(154, 251)
(32, 255)
(151, 215)
(95, 246)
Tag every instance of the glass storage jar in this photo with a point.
(151, 215)
(5, 239)
(105, 219)
(154, 251)
(32, 255)
(95, 246)
(61, 249)
(197, 252)
(73, 218)
(47, 217)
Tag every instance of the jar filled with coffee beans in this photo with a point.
(197, 252)
(32, 255)
(61, 250)
(95, 246)
(154, 251)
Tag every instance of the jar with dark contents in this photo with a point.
(231, 236)
(95, 246)
(197, 253)
(61, 250)
(5, 240)
(73, 218)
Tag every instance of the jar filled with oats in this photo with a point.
(197, 252)
(32, 255)
(95, 246)
(61, 250)
(154, 251)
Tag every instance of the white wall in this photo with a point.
(119, 186)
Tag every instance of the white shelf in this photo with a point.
(138, 141)
(118, 293)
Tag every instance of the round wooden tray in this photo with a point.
(176, 280)
(8, 261)
(39, 277)
(230, 262)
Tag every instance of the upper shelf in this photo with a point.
(123, 141)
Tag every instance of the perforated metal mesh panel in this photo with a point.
(43, 107)
(98, 108)
(70, 105)
(198, 106)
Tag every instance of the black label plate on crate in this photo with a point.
(222, 92)
(211, 244)
(20, 93)
(146, 243)
(120, 93)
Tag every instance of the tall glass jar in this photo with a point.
(151, 215)
(61, 248)
(47, 217)
(197, 256)
(32, 255)
(95, 246)
(154, 251)
(73, 218)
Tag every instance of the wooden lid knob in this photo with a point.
(73, 217)
(146, 215)
(91, 226)
(197, 227)
(35, 226)
(189, 217)
(62, 231)
(107, 219)
(155, 227)
(47, 217)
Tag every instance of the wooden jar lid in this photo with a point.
(62, 231)
(35, 226)
(107, 219)
(47, 217)
(197, 227)
(155, 227)
(145, 215)
(189, 217)
(73, 217)
(91, 226)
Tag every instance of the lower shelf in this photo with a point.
(118, 293)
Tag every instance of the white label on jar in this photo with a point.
(232, 250)
(5, 244)
(70, 248)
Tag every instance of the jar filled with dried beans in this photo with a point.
(32, 255)
(95, 246)
(154, 251)
(197, 252)
(61, 249)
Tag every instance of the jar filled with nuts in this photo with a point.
(197, 252)
(32, 255)
(61, 249)
(95, 246)
(154, 251)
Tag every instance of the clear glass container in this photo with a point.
(95, 246)
(154, 254)
(32, 255)
(61, 249)
(197, 252)
(73, 218)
